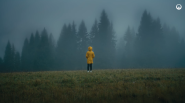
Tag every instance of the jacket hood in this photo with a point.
(90, 48)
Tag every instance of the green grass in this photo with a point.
(102, 86)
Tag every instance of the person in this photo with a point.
(89, 55)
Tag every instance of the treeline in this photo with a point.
(153, 46)
(39, 52)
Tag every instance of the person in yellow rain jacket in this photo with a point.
(89, 55)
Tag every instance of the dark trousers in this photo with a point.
(89, 65)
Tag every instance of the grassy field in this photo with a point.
(102, 86)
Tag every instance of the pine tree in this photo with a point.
(93, 35)
(157, 44)
(105, 43)
(13, 58)
(82, 44)
(66, 48)
(36, 51)
(149, 42)
(32, 40)
(74, 34)
(8, 61)
(36, 40)
(61, 48)
(25, 56)
(73, 46)
(51, 41)
(111, 46)
(94, 41)
(51, 51)
(31, 52)
(129, 38)
(44, 52)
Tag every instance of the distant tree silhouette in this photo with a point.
(44, 52)
(8, 58)
(61, 47)
(36, 49)
(13, 58)
(66, 46)
(73, 46)
(25, 56)
(38, 52)
(149, 42)
(158, 43)
(94, 35)
(52, 51)
(94, 41)
(105, 43)
(82, 46)
(129, 38)
(142, 39)
(172, 46)
(31, 52)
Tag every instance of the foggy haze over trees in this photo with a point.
(152, 45)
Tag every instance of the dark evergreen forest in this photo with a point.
(153, 45)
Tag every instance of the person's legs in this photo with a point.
(90, 67)
(87, 67)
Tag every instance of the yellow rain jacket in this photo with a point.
(90, 55)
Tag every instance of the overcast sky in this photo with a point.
(18, 18)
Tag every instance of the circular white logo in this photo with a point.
(178, 6)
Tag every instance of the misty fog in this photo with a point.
(131, 34)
